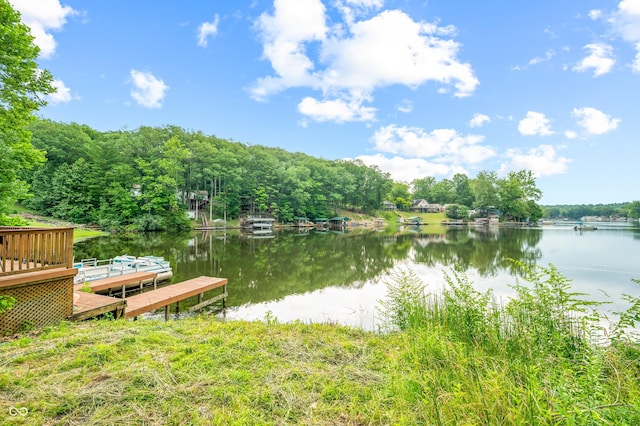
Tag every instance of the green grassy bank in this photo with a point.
(452, 358)
(27, 218)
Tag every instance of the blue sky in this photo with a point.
(418, 88)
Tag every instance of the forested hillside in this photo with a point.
(145, 179)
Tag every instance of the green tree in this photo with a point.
(457, 211)
(443, 192)
(462, 188)
(552, 212)
(68, 188)
(518, 195)
(22, 86)
(485, 190)
(422, 188)
(527, 182)
(633, 211)
(534, 211)
(400, 195)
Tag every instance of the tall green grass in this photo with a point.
(450, 357)
(537, 358)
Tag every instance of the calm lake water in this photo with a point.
(340, 277)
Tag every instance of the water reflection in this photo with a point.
(327, 276)
(485, 249)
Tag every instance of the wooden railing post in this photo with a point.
(25, 249)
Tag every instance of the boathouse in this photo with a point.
(301, 222)
(338, 222)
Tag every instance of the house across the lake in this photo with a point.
(423, 206)
(388, 206)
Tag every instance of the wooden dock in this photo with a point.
(122, 281)
(165, 296)
(89, 305)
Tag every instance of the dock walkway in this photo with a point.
(165, 296)
(121, 281)
(89, 305)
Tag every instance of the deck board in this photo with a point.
(154, 299)
(90, 305)
(29, 276)
(118, 281)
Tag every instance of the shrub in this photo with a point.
(6, 303)
(12, 220)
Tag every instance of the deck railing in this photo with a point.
(25, 249)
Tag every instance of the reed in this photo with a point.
(530, 359)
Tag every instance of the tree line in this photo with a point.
(145, 179)
(578, 211)
(515, 196)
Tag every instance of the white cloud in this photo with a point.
(600, 59)
(593, 121)
(443, 145)
(548, 55)
(408, 169)
(206, 30)
(626, 20)
(542, 161)
(391, 49)
(336, 110)
(635, 66)
(147, 90)
(351, 63)
(625, 23)
(42, 17)
(368, 4)
(405, 106)
(570, 134)
(284, 33)
(535, 123)
(595, 14)
(61, 95)
(478, 120)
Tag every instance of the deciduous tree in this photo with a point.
(22, 87)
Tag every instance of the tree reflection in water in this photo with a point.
(266, 269)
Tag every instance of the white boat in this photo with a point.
(94, 269)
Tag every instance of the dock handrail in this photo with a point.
(28, 249)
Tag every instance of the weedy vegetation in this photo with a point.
(543, 357)
(454, 356)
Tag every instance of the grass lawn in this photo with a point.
(447, 359)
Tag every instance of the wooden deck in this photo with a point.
(165, 296)
(121, 281)
(36, 269)
(89, 305)
(24, 249)
(31, 276)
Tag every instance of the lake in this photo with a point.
(340, 277)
